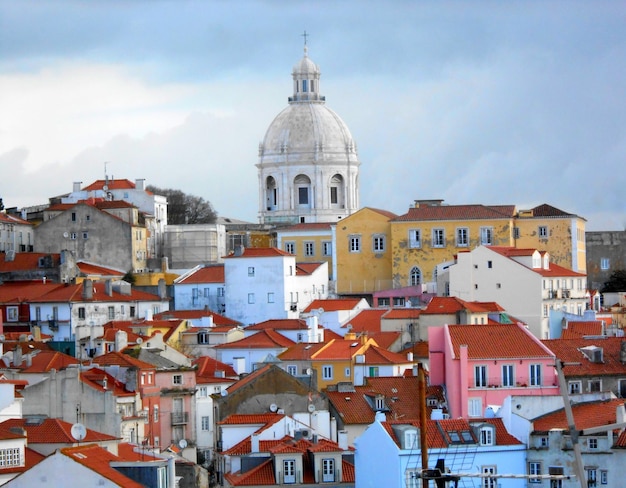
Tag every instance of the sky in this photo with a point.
(517, 102)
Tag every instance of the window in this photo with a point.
(595, 385)
(132, 310)
(489, 482)
(203, 392)
(486, 436)
(292, 370)
(439, 238)
(480, 376)
(545, 310)
(410, 439)
(516, 233)
(347, 373)
(73, 236)
(220, 291)
(290, 247)
(73, 216)
(304, 85)
(206, 292)
(605, 263)
(250, 270)
(574, 387)
(378, 244)
(327, 372)
(593, 443)
(270, 297)
(604, 477)
(534, 468)
(355, 243)
(309, 248)
(415, 277)
(177, 379)
(535, 375)
(508, 378)
(203, 337)
(85, 235)
(415, 239)
(486, 236)
(111, 312)
(205, 422)
(10, 457)
(250, 298)
(289, 471)
(12, 314)
(475, 407)
(490, 264)
(155, 413)
(543, 232)
(327, 248)
(81, 312)
(303, 196)
(333, 195)
(462, 237)
(379, 402)
(328, 470)
(592, 479)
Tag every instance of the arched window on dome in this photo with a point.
(302, 188)
(304, 87)
(415, 276)
(271, 193)
(337, 192)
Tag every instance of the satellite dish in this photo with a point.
(78, 431)
(182, 443)
(273, 407)
(309, 371)
(311, 408)
(320, 310)
(65, 234)
(223, 392)
(139, 340)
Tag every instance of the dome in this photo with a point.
(306, 132)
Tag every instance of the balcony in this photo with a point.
(179, 418)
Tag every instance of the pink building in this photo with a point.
(481, 365)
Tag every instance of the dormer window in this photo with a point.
(380, 402)
(410, 439)
(487, 435)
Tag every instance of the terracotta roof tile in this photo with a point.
(263, 339)
(116, 358)
(111, 184)
(380, 356)
(579, 329)
(261, 419)
(586, 416)
(300, 351)
(306, 269)
(546, 210)
(206, 274)
(457, 212)
(260, 475)
(402, 313)
(13, 219)
(279, 324)
(577, 364)
(366, 320)
(92, 269)
(496, 341)
(52, 431)
(452, 305)
(25, 261)
(333, 304)
(218, 319)
(208, 367)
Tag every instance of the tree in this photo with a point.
(616, 282)
(185, 209)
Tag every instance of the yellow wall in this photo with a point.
(317, 238)
(427, 257)
(365, 271)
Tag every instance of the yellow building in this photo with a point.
(549, 229)
(363, 252)
(430, 234)
(309, 242)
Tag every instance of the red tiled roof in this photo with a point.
(578, 365)
(279, 324)
(261, 340)
(13, 219)
(338, 349)
(400, 393)
(116, 358)
(111, 184)
(496, 341)
(577, 329)
(99, 460)
(402, 313)
(261, 475)
(260, 252)
(92, 269)
(261, 419)
(218, 319)
(333, 304)
(457, 212)
(380, 356)
(53, 431)
(95, 377)
(586, 416)
(367, 320)
(503, 438)
(301, 351)
(452, 305)
(385, 340)
(25, 261)
(245, 446)
(249, 378)
(305, 269)
(45, 361)
(207, 367)
(133, 452)
(206, 274)
(546, 210)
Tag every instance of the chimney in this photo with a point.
(87, 289)
(148, 315)
(121, 340)
(254, 443)
(162, 289)
(17, 355)
(139, 183)
(108, 288)
(409, 357)
(342, 440)
(206, 321)
(76, 186)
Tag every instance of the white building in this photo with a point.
(16, 234)
(267, 283)
(200, 288)
(523, 281)
(308, 164)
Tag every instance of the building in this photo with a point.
(16, 234)
(186, 246)
(108, 233)
(524, 281)
(310, 243)
(153, 206)
(606, 253)
(200, 288)
(267, 283)
(308, 165)
(481, 365)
